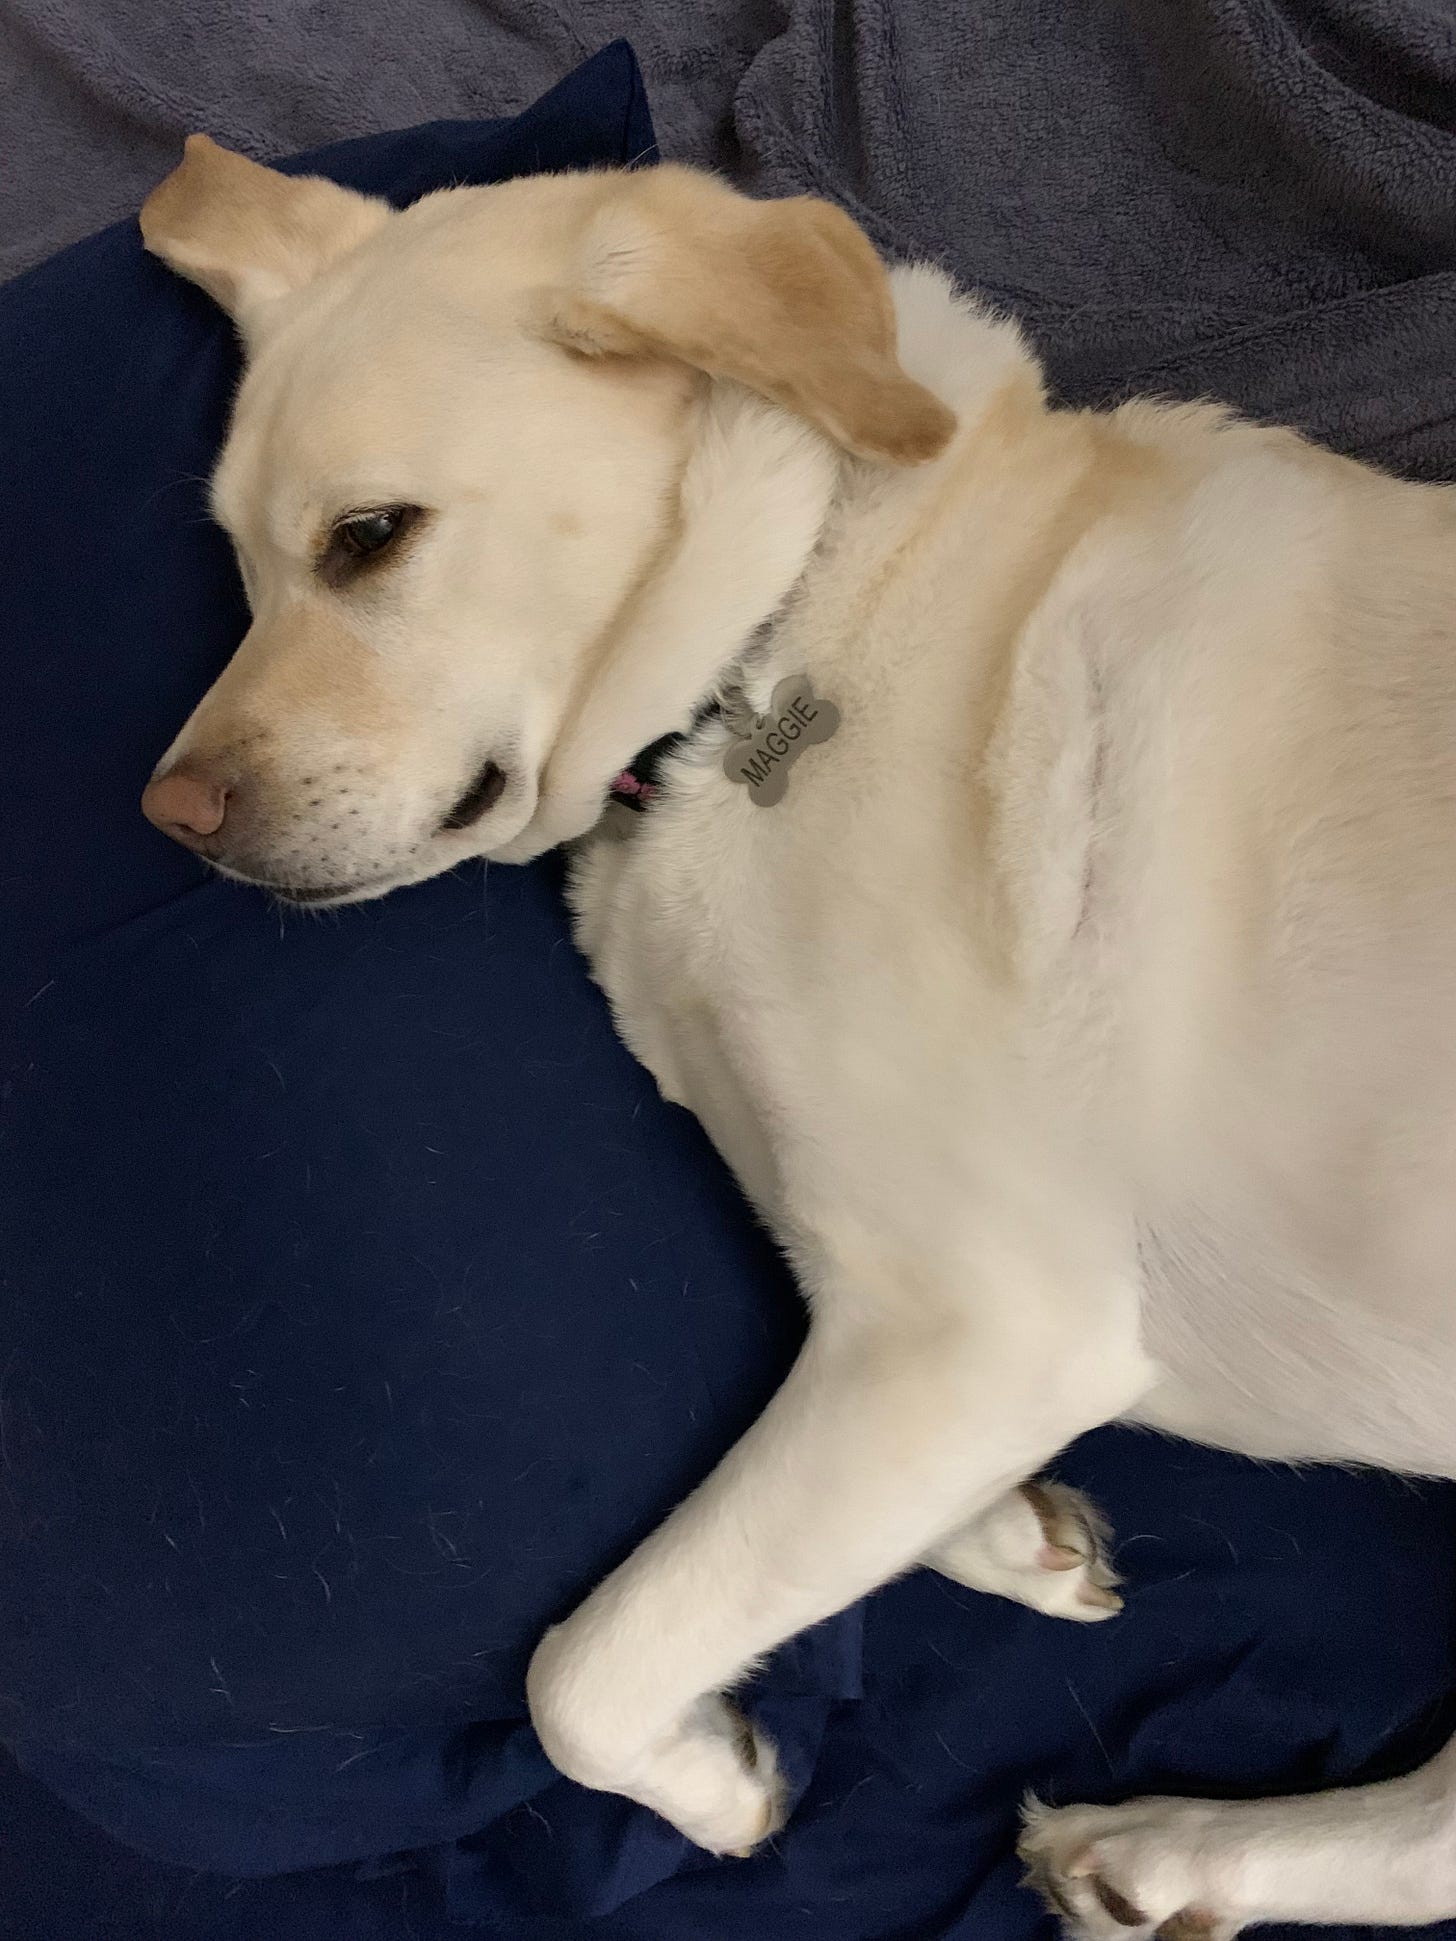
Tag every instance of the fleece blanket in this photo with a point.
(1244, 198)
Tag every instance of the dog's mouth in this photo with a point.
(478, 800)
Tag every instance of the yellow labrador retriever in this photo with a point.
(1054, 924)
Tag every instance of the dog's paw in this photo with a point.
(1122, 1873)
(1044, 1545)
(709, 1772)
(717, 1779)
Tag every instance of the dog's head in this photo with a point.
(455, 462)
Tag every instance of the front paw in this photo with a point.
(1122, 1873)
(709, 1771)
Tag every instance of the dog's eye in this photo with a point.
(359, 542)
(363, 534)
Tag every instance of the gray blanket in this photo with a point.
(1247, 199)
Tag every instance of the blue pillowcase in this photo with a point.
(364, 1304)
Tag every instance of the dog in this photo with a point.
(1078, 1012)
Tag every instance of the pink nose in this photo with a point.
(185, 804)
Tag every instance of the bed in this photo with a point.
(364, 1302)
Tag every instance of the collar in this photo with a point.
(635, 787)
(639, 781)
(804, 719)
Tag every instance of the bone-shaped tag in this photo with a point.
(769, 744)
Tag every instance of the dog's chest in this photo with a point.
(808, 938)
(805, 972)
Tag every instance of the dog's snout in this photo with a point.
(186, 804)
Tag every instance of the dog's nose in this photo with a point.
(185, 804)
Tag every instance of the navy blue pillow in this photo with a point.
(363, 1304)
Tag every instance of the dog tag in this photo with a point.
(768, 745)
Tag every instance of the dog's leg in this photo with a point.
(877, 1446)
(1042, 1544)
(1201, 1870)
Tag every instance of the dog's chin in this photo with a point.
(332, 897)
(329, 896)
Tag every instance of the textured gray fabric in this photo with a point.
(1248, 199)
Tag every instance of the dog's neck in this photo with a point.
(757, 489)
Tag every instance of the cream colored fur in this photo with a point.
(1084, 1019)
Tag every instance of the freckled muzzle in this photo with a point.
(314, 835)
(341, 829)
(312, 769)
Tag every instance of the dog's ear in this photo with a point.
(247, 234)
(788, 298)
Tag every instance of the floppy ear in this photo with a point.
(247, 234)
(789, 298)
